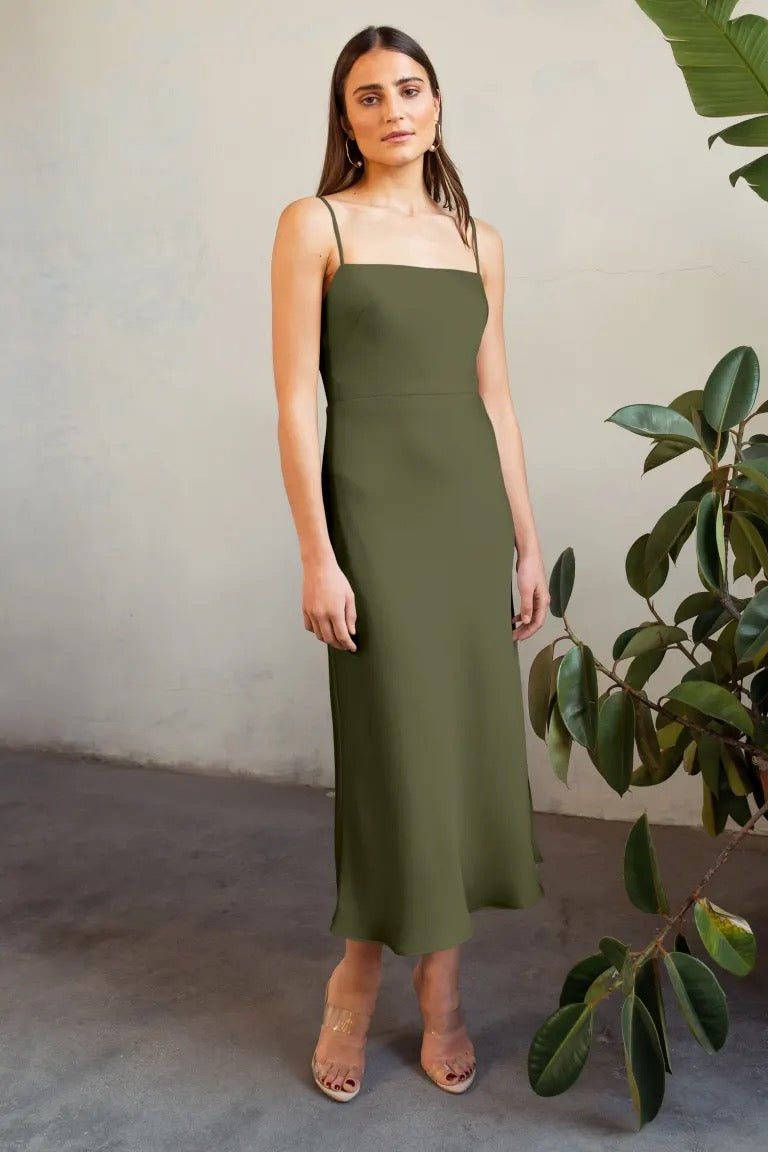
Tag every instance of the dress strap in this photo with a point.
(474, 242)
(335, 227)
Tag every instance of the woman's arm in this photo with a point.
(299, 259)
(494, 390)
(298, 265)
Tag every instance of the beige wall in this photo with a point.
(150, 577)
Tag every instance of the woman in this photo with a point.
(407, 530)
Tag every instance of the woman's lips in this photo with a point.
(399, 136)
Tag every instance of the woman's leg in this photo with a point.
(446, 1045)
(353, 984)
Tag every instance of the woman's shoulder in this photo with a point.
(486, 231)
(305, 208)
(489, 243)
(304, 222)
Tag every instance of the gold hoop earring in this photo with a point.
(354, 163)
(434, 146)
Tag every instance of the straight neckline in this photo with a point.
(387, 264)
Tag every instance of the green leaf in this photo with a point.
(702, 36)
(601, 986)
(747, 133)
(691, 406)
(692, 399)
(647, 738)
(561, 582)
(695, 604)
(728, 938)
(670, 731)
(667, 530)
(628, 976)
(709, 760)
(577, 694)
(731, 389)
(679, 543)
(642, 579)
(748, 500)
(559, 1050)
(700, 997)
(648, 989)
(737, 807)
(614, 951)
(713, 814)
(756, 175)
(756, 471)
(715, 701)
(643, 1058)
(710, 541)
(541, 689)
(735, 771)
(749, 492)
(723, 62)
(641, 874)
(662, 453)
(752, 630)
(758, 690)
(623, 639)
(691, 759)
(581, 977)
(559, 743)
(642, 668)
(649, 638)
(644, 777)
(745, 559)
(656, 421)
(616, 741)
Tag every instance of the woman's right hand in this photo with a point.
(328, 604)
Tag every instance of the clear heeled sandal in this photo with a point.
(347, 1022)
(459, 1064)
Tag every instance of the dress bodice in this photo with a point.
(399, 328)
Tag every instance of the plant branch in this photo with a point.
(639, 958)
(733, 741)
(691, 900)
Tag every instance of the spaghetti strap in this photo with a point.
(474, 242)
(335, 227)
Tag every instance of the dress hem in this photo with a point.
(409, 950)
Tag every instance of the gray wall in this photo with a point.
(151, 586)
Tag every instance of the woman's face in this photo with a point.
(389, 92)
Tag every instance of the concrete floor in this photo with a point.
(165, 946)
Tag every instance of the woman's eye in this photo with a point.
(366, 99)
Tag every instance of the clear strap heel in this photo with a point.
(447, 1071)
(344, 1070)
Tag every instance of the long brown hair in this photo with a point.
(440, 175)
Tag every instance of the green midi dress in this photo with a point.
(432, 805)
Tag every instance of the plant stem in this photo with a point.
(691, 900)
(733, 741)
(655, 945)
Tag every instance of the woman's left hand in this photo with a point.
(533, 587)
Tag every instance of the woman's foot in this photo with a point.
(447, 1053)
(338, 1061)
